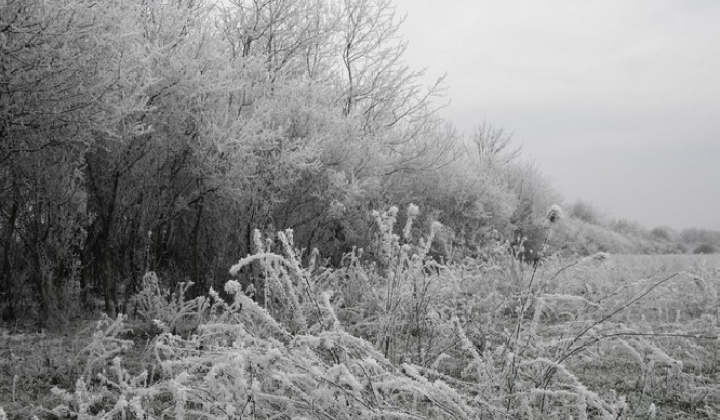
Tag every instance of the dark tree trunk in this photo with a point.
(97, 262)
(6, 287)
(199, 286)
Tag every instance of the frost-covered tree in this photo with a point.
(155, 135)
(52, 81)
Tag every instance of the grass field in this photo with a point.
(662, 349)
(600, 337)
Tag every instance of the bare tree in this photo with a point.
(494, 144)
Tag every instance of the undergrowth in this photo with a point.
(404, 337)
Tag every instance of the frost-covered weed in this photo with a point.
(168, 311)
(242, 363)
(409, 337)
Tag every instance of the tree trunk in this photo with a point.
(6, 287)
(199, 286)
(97, 264)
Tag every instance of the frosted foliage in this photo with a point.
(312, 359)
(433, 342)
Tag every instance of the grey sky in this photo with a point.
(617, 101)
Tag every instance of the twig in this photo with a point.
(615, 312)
(550, 372)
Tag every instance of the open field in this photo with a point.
(663, 349)
(599, 337)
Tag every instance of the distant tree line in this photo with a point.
(594, 231)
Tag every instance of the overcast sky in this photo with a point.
(617, 101)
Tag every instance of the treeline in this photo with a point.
(158, 134)
(692, 240)
(588, 231)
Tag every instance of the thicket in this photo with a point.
(157, 135)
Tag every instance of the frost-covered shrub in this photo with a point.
(242, 363)
(165, 310)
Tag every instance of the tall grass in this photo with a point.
(406, 336)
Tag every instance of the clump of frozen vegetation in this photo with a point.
(411, 337)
